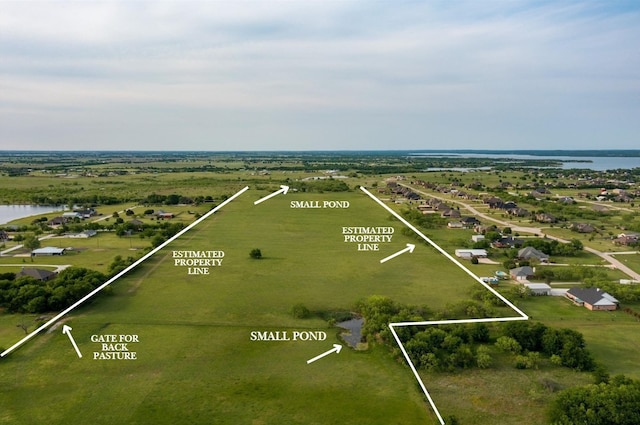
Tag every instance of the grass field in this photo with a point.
(630, 260)
(610, 335)
(196, 363)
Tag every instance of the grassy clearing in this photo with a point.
(502, 394)
(610, 336)
(196, 362)
(630, 260)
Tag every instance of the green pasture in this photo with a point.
(630, 260)
(610, 335)
(501, 394)
(196, 361)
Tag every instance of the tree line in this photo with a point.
(26, 294)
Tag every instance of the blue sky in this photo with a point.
(315, 75)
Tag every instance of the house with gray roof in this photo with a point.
(530, 253)
(40, 274)
(522, 273)
(592, 298)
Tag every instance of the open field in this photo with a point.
(195, 361)
(500, 395)
(630, 260)
(610, 335)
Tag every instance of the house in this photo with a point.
(518, 212)
(521, 273)
(58, 221)
(469, 222)
(477, 238)
(625, 240)
(85, 212)
(566, 200)
(48, 250)
(42, 275)
(450, 214)
(71, 215)
(507, 242)
(546, 218)
(592, 298)
(455, 225)
(538, 288)
(582, 228)
(163, 214)
(530, 253)
(470, 253)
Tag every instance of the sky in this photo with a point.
(319, 75)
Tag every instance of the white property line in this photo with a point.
(119, 275)
(522, 315)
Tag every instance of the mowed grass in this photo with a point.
(611, 336)
(196, 363)
(630, 260)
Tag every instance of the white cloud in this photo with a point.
(440, 64)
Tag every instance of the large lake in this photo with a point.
(598, 163)
(13, 212)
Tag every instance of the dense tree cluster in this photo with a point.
(426, 221)
(623, 293)
(173, 199)
(565, 345)
(553, 247)
(28, 295)
(452, 346)
(319, 186)
(449, 347)
(608, 403)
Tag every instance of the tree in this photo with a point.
(31, 242)
(614, 403)
(300, 311)
(255, 253)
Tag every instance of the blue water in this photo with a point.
(598, 163)
(13, 212)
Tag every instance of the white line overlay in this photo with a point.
(119, 275)
(521, 314)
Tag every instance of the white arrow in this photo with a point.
(336, 349)
(67, 330)
(283, 189)
(409, 249)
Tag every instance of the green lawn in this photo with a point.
(196, 362)
(197, 365)
(610, 336)
(630, 260)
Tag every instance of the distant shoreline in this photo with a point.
(531, 152)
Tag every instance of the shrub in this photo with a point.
(255, 253)
(300, 311)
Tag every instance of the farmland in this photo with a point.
(195, 360)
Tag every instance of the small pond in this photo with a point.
(354, 336)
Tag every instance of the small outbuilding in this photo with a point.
(470, 253)
(538, 288)
(48, 250)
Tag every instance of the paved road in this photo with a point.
(58, 267)
(534, 230)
